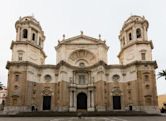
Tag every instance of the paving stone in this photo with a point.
(132, 118)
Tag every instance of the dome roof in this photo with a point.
(27, 20)
(134, 19)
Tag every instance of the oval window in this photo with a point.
(115, 77)
(47, 77)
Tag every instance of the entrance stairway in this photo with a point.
(82, 114)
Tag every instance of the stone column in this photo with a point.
(37, 38)
(75, 101)
(126, 38)
(89, 99)
(18, 37)
(144, 33)
(134, 36)
(71, 99)
(42, 41)
(92, 98)
(29, 34)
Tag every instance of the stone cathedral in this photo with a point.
(81, 79)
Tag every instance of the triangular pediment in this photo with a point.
(82, 39)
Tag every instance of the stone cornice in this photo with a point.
(27, 63)
(135, 43)
(63, 63)
(27, 43)
(134, 63)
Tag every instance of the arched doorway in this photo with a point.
(81, 101)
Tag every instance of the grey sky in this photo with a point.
(94, 17)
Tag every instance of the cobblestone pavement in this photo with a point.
(133, 118)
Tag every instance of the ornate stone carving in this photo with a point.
(46, 91)
(81, 54)
(116, 91)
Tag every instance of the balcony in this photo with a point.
(76, 85)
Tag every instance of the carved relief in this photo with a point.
(46, 91)
(82, 54)
(116, 91)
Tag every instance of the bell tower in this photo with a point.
(134, 42)
(29, 41)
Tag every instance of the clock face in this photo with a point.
(47, 77)
(115, 77)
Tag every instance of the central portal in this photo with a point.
(46, 102)
(81, 101)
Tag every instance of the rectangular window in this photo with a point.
(17, 77)
(20, 56)
(143, 56)
(81, 79)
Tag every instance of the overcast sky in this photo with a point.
(94, 17)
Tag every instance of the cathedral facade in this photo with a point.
(81, 79)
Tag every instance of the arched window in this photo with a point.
(146, 78)
(17, 77)
(33, 36)
(130, 36)
(25, 33)
(81, 79)
(138, 33)
(15, 87)
(82, 64)
(147, 86)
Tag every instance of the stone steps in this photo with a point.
(82, 114)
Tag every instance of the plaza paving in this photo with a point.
(132, 118)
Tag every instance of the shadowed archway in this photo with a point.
(81, 101)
